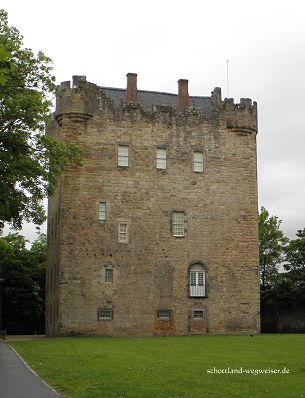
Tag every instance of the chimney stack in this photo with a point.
(183, 94)
(131, 91)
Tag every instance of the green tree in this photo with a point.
(6, 66)
(23, 289)
(295, 252)
(30, 162)
(271, 247)
(287, 294)
(295, 265)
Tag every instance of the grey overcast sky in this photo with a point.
(164, 40)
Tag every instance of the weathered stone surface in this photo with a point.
(150, 272)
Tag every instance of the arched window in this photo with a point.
(197, 280)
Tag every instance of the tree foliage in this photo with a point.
(295, 252)
(23, 289)
(295, 265)
(6, 66)
(282, 293)
(271, 247)
(30, 162)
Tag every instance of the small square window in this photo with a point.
(198, 314)
(123, 232)
(104, 314)
(178, 224)
(109, 275)
(164, 314)
(102, 211)
(123, 155)
(198, 162)
(161, 159)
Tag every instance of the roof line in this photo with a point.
(149, 91)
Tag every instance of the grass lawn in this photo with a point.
(165, 367)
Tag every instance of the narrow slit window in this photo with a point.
(198, 162)
(161, 159)
(123, 232)
(102, 212)
(123, 155)
(178, 224)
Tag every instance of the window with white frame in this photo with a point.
(164, 315)
(178, 223)
(198, 161)
(197, 281)
(104, 314)
(123, 155)
(161, 159)
(109, 275)
(102, 211)
(123, 232)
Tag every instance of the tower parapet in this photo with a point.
(241, 117)
(80, 101)
(77, 102)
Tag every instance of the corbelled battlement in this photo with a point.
(77, 102)
(82, 100)
(241, 117)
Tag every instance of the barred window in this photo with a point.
(102, 211)
(161, 159)
(198, 314)
(104, 314)
(198, 161)
(123, 155)
(197, 281)
(164, 314)
(123, 232)
(178, 223)
(109, 275)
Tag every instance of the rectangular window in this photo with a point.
(123, 155)
(123, 232)
(104, 314)
(161, 159)
(178, 227)
(197, 283)
(102, 211)
(164, 314)
(200, 278)
(198, 162)
(198, 314)
(193, 276)
(109, 275)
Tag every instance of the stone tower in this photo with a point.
(157, 232)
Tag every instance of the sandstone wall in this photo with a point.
(151, 271)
